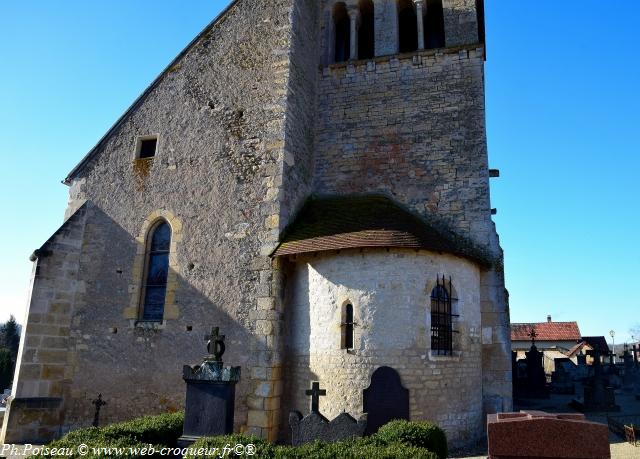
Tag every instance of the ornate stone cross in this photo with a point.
(215, 344)
(315, 392)
(532, 334)
(99, 403)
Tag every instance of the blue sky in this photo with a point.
(562, 114)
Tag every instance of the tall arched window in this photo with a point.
(342, 27)
(407, 26)
(156, 272)
(347, 326)
(434, 25)
(441, 318)
(366, 32)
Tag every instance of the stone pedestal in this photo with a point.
(210, 403)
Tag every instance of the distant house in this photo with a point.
(586, 344)
(554, 339)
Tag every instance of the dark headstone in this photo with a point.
(316, 427)
(385, 399)
(535, 384)
(561, 378)
(598, 395)
(211, 388)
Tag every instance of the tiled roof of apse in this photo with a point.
(335, 223)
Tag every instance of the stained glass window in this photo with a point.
(157, 271)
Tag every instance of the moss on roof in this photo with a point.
(340, 222)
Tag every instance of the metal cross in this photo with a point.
(315, 392)
(532, 334)
(215, 344)
(99, 403)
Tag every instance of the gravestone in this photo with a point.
(536, 434)
(385, 399)
(582, 369)
(535, 383)
(561, 379)
(598, 396)
(628, 377)
(315, 427)
(209, 407)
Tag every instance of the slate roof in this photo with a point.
(546, 331)
(342, 222)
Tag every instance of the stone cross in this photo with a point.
(215, 344)
(315, 392)
(99, 403)
(533, 336)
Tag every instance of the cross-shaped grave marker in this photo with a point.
(99, 403)
(215, 344)
(315, 392)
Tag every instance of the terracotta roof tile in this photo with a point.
(546, 331)
(367, 221)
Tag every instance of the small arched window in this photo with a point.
(441, 318)
(347, 326)
(156, 272)
(342, 27)
(366, 32)
(407, 26)
(434, 25)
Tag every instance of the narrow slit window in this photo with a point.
(148, 147)
(156, 272)
(407, 26)
(342, 27)
(347, 326)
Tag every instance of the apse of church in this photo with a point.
(312, 178)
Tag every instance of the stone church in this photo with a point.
(311, 177)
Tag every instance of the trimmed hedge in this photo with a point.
(365, 448)
(416, 433)
(162, 430)
(397, 439)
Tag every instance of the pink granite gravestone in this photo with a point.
(536, 434)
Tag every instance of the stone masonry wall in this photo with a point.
(45, 359)
(390, 292)
(412, 127)
(217, 177)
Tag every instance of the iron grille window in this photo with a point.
(157, 271)
(442, 318)
(347, 327)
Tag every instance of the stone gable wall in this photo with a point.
(220, 115)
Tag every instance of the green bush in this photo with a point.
(365, 448)
(417, 433)
(162, 430)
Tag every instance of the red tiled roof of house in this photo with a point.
(546, 331)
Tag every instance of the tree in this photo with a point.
(10, 337)
(6, 368)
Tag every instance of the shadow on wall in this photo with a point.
(297, 365)
(137, 367)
